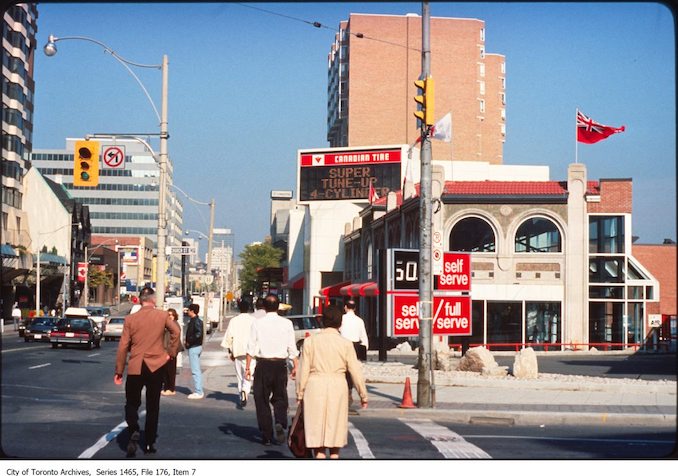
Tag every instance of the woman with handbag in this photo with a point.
(326, 357)
(171, 367)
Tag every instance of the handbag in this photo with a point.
(296, 439)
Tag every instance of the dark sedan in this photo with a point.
(76, 331)
(39, 329)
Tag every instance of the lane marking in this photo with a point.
(17, 350)
(361, 443)
(104, 440)
(94, 355)
(448, 443)
(60, 390)
(565, 438)
(39, 366)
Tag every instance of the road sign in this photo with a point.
(451, 315)
(181, 250)
(229, 296)
(456, 272)
(114, 157)
(655, 320)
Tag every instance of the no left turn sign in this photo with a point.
(114, 157)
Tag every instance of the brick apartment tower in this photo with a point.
(371, 85)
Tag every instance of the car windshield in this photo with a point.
(42, 322)
(117, 320)
(74, 325)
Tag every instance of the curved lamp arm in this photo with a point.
(50, 50)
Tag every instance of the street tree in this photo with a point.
(254, 257)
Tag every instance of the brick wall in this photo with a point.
(660, 260)
(616, 196)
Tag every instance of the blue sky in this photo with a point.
(248, 89)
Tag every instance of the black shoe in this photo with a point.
(132, 444)
(279, 433)
(150, 448)
(243, 399)
(266, 442)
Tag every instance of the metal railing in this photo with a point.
(546, 346)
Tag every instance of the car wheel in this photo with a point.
(98, 344)
(54, 346)
(89, 345)
(26, 339)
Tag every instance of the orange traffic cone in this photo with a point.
(407, 396)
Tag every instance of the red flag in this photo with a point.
(373, 197)
(590, 132)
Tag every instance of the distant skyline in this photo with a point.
(248, 89)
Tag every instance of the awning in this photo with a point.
(333, 291)
(49, 258)
(368, 289)
(8, 251)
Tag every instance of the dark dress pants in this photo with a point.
(133, 386)
(361, 353)
(270, 385)
(170, 375)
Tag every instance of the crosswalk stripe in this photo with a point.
(450, 444)
(104, 440)
(361, 443)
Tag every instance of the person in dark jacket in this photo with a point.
(193, 344)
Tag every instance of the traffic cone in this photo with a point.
(407, 396)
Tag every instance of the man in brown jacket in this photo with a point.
(143, 338)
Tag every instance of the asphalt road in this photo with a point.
(58, 403)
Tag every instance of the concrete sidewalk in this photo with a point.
(465, 397)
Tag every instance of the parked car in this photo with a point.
(304, 326)
(39, 329)
(113, 328)
(76, 330)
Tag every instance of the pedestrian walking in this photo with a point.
(235, 342)
(353, 329)
(271, 343)
(325, 360)
(169, 383)
(142, 337)
(259, 310)
(193, 344)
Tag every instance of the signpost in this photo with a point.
(451, 297)
(346, 174)
(181, 250)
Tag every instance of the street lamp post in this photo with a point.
(50, 50)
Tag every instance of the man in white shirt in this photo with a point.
(271, 343)
(259, 308)
(235, 342)
(353, 329)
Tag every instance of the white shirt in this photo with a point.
(259, 313)
(238, 334)
(353, 328)
(272, 337)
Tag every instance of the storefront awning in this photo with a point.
(49, 258)
(333, 291)
(9, 252)
(368, 289)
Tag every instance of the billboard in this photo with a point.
(347, 174)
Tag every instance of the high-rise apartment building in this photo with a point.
(126, 200)
(18, 86)
(373, 64)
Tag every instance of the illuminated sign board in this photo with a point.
(348, 174)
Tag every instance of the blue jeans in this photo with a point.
(194, 359)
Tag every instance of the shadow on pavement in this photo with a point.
(633, 365)
(373, 390)
(224, 397)
(248, 433)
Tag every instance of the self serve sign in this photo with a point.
(451, 315)
(456, 275)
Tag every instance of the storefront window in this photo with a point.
(606, 320)
(477, 324)
(634, 330)
(538, 235)
(606, 234)
(504, 323)
(606, 270)
(472, 235)
(609, 292)
(542, 323)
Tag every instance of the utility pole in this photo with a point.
(162, 213)
(425, 386)
(210, 240)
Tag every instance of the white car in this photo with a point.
(304, 326)
(113, 329)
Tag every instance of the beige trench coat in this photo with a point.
(326, 357)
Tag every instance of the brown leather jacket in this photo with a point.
(142, 338)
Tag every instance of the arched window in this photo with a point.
(472, 235)
(538, 235)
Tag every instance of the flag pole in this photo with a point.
(576, 142)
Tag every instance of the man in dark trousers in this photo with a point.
(271, 343)
(143, 338)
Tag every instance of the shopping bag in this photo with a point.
(296, 439)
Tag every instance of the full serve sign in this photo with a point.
(451, 300)
(348, 174)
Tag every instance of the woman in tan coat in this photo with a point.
(326, 357)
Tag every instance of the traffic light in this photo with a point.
(86, 165)
(425, 98)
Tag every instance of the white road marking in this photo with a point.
(104, 440)
(18, 349)
(564, 438)
(448, 443)
(38, 366)
(94, 355)
(361, 443)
